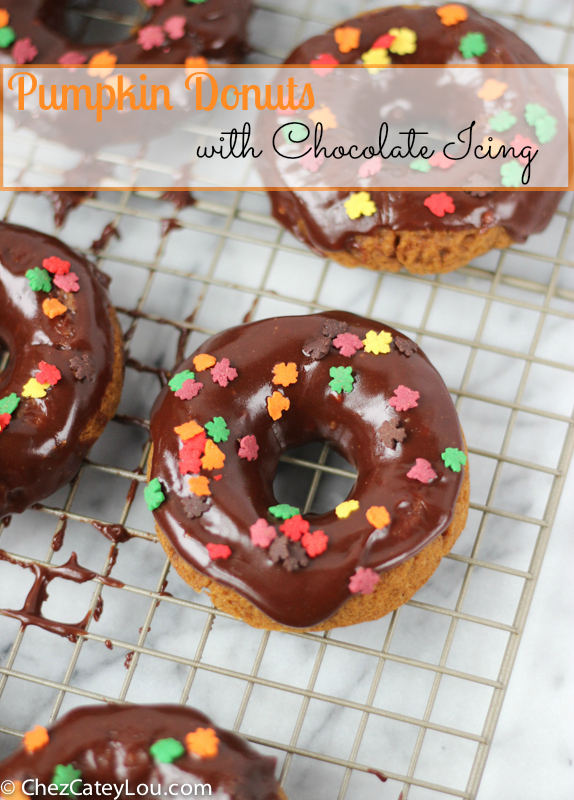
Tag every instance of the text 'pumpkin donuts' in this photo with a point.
(251, 393)
(64, 375)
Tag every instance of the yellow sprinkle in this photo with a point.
(34, 389)
(405, 41)
(377, 343)
(358, 204)
(376, 55)
(344, 509)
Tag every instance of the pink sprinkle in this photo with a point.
(347, 344)
(151, 36)
(324, 64)
(262, 533)
(440, 160)
(218, 551)
(72, 58)
(519, 142)
(68, 282)
(151, 3)
(384, 41)
(310, 163)
(24, 51)
(222, 372)
(248, 448)
(371, 167)
(315, 543)
(56, 266)
(189, 390)
(175, 27)
(422, 471)
(48, 374)
(4, 421)
(405, 398)
(363, 581)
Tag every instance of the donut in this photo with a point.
(136, 746)
(63, 378)
(253, 392)
(405, 228)
(37, 32)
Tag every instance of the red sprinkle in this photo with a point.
(218, 551)
(197, 443)
(48, 374)
(248, 448)
(4, 421)
(440, 204)
(384, 41)
(315, 543)
(189, 461)
(217, 477)
(56, 266)
(324, 64)
(295, 527)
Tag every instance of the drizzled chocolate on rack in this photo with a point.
(251, 393)
(170, 746)
(64, 374)
(396, 227)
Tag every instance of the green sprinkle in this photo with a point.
(292, 131)
(166, 751)
(217, 429)
(511, 174)
(179, 379)
(545, 129)
(473, 44)
(502, 121)
(153, 494)
(342, 379)
(533, 112)
(196, 2)
(9, 404)
(421, 165)
(64, 776)
(7, 36)
(453, 458)
(284, 511)
(39, 279)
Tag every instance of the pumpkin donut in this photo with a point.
(251, 393)
(64, 375)
(134, 747)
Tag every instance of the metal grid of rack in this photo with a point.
(416, 695)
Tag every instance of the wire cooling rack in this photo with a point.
(416, 695)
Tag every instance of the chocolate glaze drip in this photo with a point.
(58, 539)
(31, 611)
(100, 244)
(115, 533)
(348, 422)
(44, 444)
(110, 744)
(64, 201)
(319, 218)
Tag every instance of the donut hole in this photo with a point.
(296, 482)
(94, 22)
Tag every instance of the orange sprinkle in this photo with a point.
(102, 64)
(16, 794)
(213, 458)
(378, 516)
(4, 18)
(452, 14)
(203, 743)
(494, 145)
(200, 486)
(325, 116)
(188, 430)
(492, 89)
(195, 64)
(285, 374)
(203, 361)
(277, 404)
(53, 308)
(35, 739)
(347, 38)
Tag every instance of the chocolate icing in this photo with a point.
(348, 422)
(214, 29)
(326, 225)
(110, 744)
(44, 444)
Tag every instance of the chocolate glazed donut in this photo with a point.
(276, 384)
(402, 231)
(213, 29)
(169, 746)
(64, 375)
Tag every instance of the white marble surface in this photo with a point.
(532, 753)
